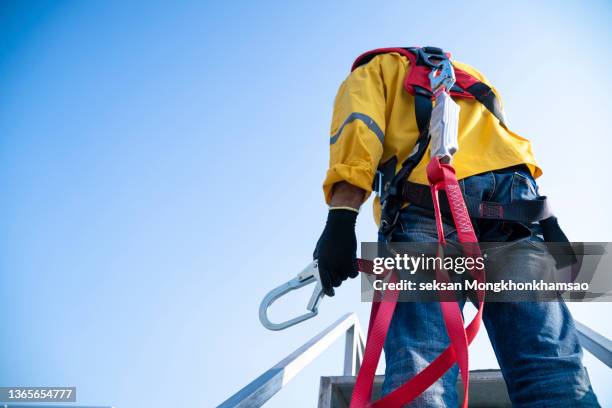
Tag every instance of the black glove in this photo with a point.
(336, 250)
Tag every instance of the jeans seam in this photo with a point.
(494, 187)
(512, 187)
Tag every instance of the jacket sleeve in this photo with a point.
(357, 130)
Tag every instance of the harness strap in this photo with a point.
(527, 211)
(417, 83)
(466, 86)
(485, 95)
(380, 319)
(390, 196)
(422, 108)
(441, 177)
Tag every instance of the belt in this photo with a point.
(517, 211)
(525, 211)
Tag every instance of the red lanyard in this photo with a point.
(441, 177)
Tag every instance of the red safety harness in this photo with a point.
(441, 177)
(419, 71)
(394, 191)
(391, 184)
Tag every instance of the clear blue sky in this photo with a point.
(161, 162)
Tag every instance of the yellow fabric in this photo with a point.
(376, 90)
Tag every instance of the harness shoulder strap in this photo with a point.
(467, 86)
(417, 83)
(485, 95)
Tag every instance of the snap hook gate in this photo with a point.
(309, 275)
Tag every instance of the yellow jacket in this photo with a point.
(374, 120)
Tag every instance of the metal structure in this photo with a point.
(46, 405)
(487, 389)
(269, 383)
(598, 345)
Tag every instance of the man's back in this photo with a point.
(374, 120)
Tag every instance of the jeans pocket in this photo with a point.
(418, 224)
(523, 187)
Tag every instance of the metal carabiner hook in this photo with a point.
(442, 75)
(309, 275)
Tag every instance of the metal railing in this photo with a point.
(44, 405)
(269, 383)
(595, 343)
(260, 390)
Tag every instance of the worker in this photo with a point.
(376, 121)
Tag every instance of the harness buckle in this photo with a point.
(309, 275)
(430, 56)
(443, 75)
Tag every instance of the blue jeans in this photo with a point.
(535, 343)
